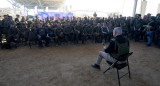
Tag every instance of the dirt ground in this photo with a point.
(71, 66)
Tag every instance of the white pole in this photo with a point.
(46, 9)
(158, 11)
(143, 8)
(36, 10)
(134, 7)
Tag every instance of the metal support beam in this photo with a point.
(134, 7)
(40, 3)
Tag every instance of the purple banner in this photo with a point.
(55, 14)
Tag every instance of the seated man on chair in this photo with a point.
(118, 46)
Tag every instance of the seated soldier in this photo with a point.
(118, 46)
(12, 35)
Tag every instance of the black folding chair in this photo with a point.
(124, 59)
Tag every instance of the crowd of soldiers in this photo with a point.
(75, 30)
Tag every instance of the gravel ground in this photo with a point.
(71, 66)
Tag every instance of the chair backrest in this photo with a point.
(124, 57)
(123, 49)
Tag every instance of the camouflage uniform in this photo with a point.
(97, 34)
(68, 33)
(12, 35)
(59, 35)
(78, 32)
(138, 24)
(42, 35)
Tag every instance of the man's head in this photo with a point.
(17, 16)
(104, 24)
(98, 24)
(39, 25)
(117, 31)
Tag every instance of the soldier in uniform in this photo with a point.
(42, 35)
(32, 33)
(12, 35)
(151, 27)
(17, 19)
(59, 34)
(138, 24)
(125, 29)
(5, 24)
(84, 34)
(105, 32)
(23, 31)
(157, 32)
(78, 32)
(88, 30)
(68, 33)
(1, 28)
(98, 33)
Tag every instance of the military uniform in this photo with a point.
(23, 36)
(78, 32)
(138, 24)
(12, 35)
(32, 34)
(5, 25)
(59, 35)
(106, 34)
(97, 34)
(42, 35)
(84, 34)
(69, 33)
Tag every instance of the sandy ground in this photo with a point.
(71, 66)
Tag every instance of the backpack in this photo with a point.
(123, 48)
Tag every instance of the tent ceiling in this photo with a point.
(30, 4)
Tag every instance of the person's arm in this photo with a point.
(110, 47)
(102, 30)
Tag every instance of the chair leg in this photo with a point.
(129, 70)
(118, 78)
(107, 70)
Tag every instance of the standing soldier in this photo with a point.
(12, 35)
(68, 33)
(151, 27)
(124, 29)
(5, 24)
(17, 19)
(84, 33)
(78, 30)
(42, 35)
(138, 24)
(1, 28)
(23, 31)
(89, 30)
(98, 33)
(59, 34)
(157, 32)
(105, 32)
(32, 33)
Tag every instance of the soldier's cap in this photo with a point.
(138, 15)
(149, 14)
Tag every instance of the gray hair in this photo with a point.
(118, 30)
